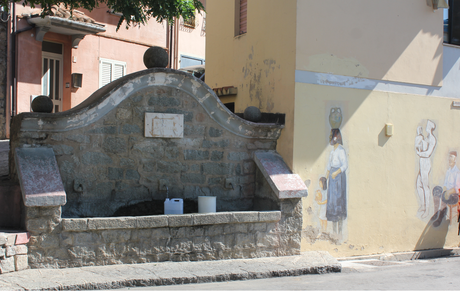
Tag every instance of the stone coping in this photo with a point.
(177, 220)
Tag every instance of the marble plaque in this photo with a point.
(164, 125)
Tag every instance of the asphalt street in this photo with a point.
(430, 274)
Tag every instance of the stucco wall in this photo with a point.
(384, 40)
(260, 63)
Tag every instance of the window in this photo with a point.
(110, 70)
(188, 61)
(241, 17)
(190, 22)
(452, 23)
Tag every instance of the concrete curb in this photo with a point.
(407, 256)
(169, 273)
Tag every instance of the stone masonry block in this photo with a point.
(103, 130)
(94, 158)
(218, 168)
(7, 265)
(217, 156)
(196, 155)
(3, 238)
(115, 173)
(78, 224)
(180, 220)
(2, 252)
(115, 145)
(53, 211)
(269, 216)
(193, 178)
(238, 156)
(152, 221)
(112, 223)
(214, 132)
(245, 216)
(212, 218)
(21, 262)
(16, 250)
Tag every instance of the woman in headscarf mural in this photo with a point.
(337, 165)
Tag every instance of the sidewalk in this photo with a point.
(168, 273)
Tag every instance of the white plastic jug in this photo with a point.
(174, 206)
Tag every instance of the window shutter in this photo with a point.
(243, 16)
(106, 73)
(118, 71)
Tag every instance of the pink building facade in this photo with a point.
(70, 58)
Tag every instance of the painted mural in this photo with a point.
(438, 200)
(424, 148)
(336, 206)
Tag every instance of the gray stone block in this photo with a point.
(218, 168)
(95, 158)
(163, 101)
(214, 132)
(115, 173)
(269, 216)
(103, 130)
(245, 216)
(180, 220)
(238, 156)
(7, 265)
(131, 129)
(170, 167)
(196, 155)
(172, 153)
(193, 178)
(215, 144)
(52, 211)
(63, 149)
(80, 138)
(194, 130)
(123, 113)
(125, 162)
(77, 224)
(212, 218)
(115, 145)
(188, 116)
(217, 156)
(116, 235)
(152, 221)
(160, 233)
(21, 262)
(132, 174)
(112, 223)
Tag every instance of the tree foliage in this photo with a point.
(134, 12)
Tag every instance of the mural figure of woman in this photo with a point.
(336, 210)
(424, 151)
(321, 199)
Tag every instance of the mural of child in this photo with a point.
(321, 199)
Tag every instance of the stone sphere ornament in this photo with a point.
(253, 114)
(42, 104)
(156, 57)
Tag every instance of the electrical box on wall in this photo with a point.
(77, 80)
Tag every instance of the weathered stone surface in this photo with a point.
(152, 221)
(115, 145)
(111, 223)
(193, 178)
(21, 262)
(212, 218)
(180, 220)
(214, 132)
(244, 217)
(218, 168)
(3, 238)
(131, 129)
(16, 250)
(95, 158)
(269, 216)
(7, 265)
(79, 224)
(217, 156)
(156, 57)
(2, 252)
(39, 177)
(237, 156)
(196, 155)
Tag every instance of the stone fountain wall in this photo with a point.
(108, 161)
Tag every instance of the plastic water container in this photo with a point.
(174, 206)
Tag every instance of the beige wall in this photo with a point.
(382, 172)
(260, 63)
(385, 40)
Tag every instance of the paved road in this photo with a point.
(432, 274)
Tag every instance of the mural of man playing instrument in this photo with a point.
(448, 194)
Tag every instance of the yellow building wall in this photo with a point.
(387, 40)
(382, 210)
(260, 63)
